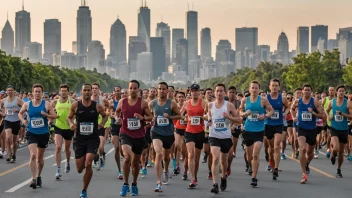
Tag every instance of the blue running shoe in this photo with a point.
(158, 188)
(328, 154)
(144, 172)
(83, 194)
(134, 191)
(283, 156)
(268, 168)
(349, 158)
(125, 190)
(174, 163)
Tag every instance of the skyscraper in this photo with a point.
(144, 24)
(282, 49)
(7, 40)
(192, 34)
(118, 42)
(302, 40)
(136, 45)
(163, 30)
(221, 49)
(182, 54)
(177, 34)
(319, 31)
(205, 43)
(96, 56)
(264, 53)
(52, 38)
(84, 28)
(158, 50)
(247, 38)
(33, 51)
(23, 30)
(345, 32)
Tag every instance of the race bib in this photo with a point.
(306, 116)
(162, 121)
(253, 116)
(338, 118)
(9, 112)
(275, 115)
(195, 120)
(133, 123)
(183, 122)
(37, 123)
(86, 128)
(219, 125)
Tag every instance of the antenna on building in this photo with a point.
(22, 4)
(7, 15)
(145, 3)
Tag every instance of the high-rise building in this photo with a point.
(177, 34)
(264, 53)
(332, 44)
(302, 40)
(74, 47)
(33, 51)
(163, 30)
(145, 66)
(282, 49)
(321, 45)
(192, 34)
(222, 49)
(96, 56)
(318, 31)
(84, 28)
(136, 45)
(182, 54)
(52, 39)
(345, 32)
(144, 24)
(158, 50)
(247, 38)
(118, 42)
(345, 48)
(8, 38)
(205, 43)
(22, 30)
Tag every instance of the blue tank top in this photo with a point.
(37, 124)
(276, 118)
(252, 123)
(116, 103)
(339, 122)
(163, 126)
(306, 120)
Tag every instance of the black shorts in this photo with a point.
(137, 144)
(326, 127)
(311, 135)
(167, 141)
(101, 132)
(252, 137)
(224, 144)
(197, 138)
(1, 127)
(350, 129)
(271, 130)
(206, 140)
(319, 129)
(115, 129)
(67, 134)
(289, 123)
(40, 139)
(284, 129)
(180, 132)
(84, 145)
(14, 126)
(148, 136)
(341, 134)
(237, 132)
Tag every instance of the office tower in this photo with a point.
(96, 56)
(144, 24)
(222, 49)
(163, 30)
(33, 51)
(192, 34)
(177, 34)
(8, 38)
(52, 39)
(158, 51)
(22, 30)
(247, 38)
(182, 54)
(205, 43)
(318, 31)
(332, 44)
(74, 47)
(264, 53)
(302, 40)
(145, 66)
(84, 28)
(136, 45)
(282, 49)
(118, 42)
(345, 32)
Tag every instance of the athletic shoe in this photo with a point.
(307, 169)
(13, 159)
(134, 191)
(33, 184)
(328, 154)
(158, 188)
(39, 182)
(174, 163)
(304, 178)
(125, 190)
(283, 156)
(338, 174)
(333, 159)
(67, 167)
(215, 189)
(83, 194)
(223, 184)
(193, 184)
(254, 182)
(144, 172)
(165, 178)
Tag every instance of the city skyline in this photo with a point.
(254, 14)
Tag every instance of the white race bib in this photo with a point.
(338, 118)
(306, 116)
(195, 120)
(219, 125)
(275, 115)
(183, 122)
(133, 123)
(86, 128)
(37, 123)
(253, 116)
(162, 121)
(9, 112)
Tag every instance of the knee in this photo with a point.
(303, 150)
(58, 148)
(33, 157)
(127, 158)
(216, 159)
(88, 164)
(255, 156)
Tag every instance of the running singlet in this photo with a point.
(12, 110)
(87, 120)
(252, 123)
(37, 124)
(62, 110)
(181, 124)
(306, 120)
(220, 125)
(131, 125)
(162, 126)
(195, 113)
(327, 101)
(338, 121)
(277, 117)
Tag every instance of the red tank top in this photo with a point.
(181, 124)
(195, 124)
(130, 125)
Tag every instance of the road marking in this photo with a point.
(63, 161)
(110, 151)
(13, 189)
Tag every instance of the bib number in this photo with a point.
(275, 115)
(195, 120)
(219, 125)
(37, 123)
(9, 112)
(183, 122)
(162, 121)
(86, 128)
(133, 123)
(306, 116)
(338, 118)
(253, 117)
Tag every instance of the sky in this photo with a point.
(221, 16)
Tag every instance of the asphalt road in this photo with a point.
(15, 178)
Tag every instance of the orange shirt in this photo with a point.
(195, 123)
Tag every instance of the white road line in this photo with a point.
(110, 151)
(63, 161)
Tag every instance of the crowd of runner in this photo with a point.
(163, 126)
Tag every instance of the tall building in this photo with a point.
(192, 34)
(345, 32)
(96, 56)
(118, 42)
(302, 40)
(177, 34)
(136, 45)
(33, 51)
(247, 38)
(332, 44)
(282, 49)
(144, 66)
(205, 43)
(163, 30)
(318, 31)
(158, 51)
(52, 39)
(74, 47)
(22, 30)
(84, 28)
(264, 53)
(8, 38)
(182, 54)
(222, 49)
(144, 24)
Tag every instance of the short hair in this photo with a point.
(117, 86)
(275, 80)
(240, 95)
(87, 84)
(169, 86)
(10, 87)
(135, 81)
(208, 89)
(255, 82)
(164, 83)
(289, 93)
(64, 86)
(297, 89)
(340, 86)
(38, 86)
(152, 88)
(146, 90)
(95, 83)
(221, 85)
(307, 85)
(232, 88)
(182, 93)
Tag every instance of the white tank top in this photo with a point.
(220, 126)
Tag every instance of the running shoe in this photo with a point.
(149, 164)
(254, 182)
(83, 194)
(296, 154)
(184, 176)
(174, 163)
(223, 184)
(165, 178)
(215, 189)
(158, 188)
(125, 190)
(275, 174)
(338, 173)
(134, 191)
(210, 176)
(102, 162)
(144, 172)
(316, 154)
(33, 184)
(193, 184)
(304, 178)
(120, 177)
(333, 159)
(349, 158)
(39, 182)
(67, 167)
(307, 169)
(283, 156)
(58, 173)
(328, 154)
(268, 167)
(177, 171)
(13, 159)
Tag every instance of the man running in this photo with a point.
(327, 131)
(86, 141)
(37, 135)
(206, 147)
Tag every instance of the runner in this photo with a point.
(298, 95)
(164, 111)
(37, 135)
(253, 108)
(220, 113)
(327, 131)
(308, 109)
(206, 147)
(341, 111)
(134, 111)
(86, 141)
(145, 94)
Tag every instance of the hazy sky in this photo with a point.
(222, 16)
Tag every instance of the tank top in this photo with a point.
(220, 126)
(306, 120)
(116, 103)
(252, 124)
(326, 104)
(339, 122)
(62, 110)
(132, 126)
(277, 117)
(12, 110)
(37, 124)
(162, 126)
(87, 120)
(195, 124)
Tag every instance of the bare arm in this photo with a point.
(349, 107)
(286, 105)
(19, 102)
(50, 111)
(294, 109)
(2, 113)
(319, 108)
(119, 108)
(22, 111)
(268, 108)
(102, 112)
(148, 114)
(327, 111)
(233, 113)
(176, 111)
(242, 108)
(72, 115)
